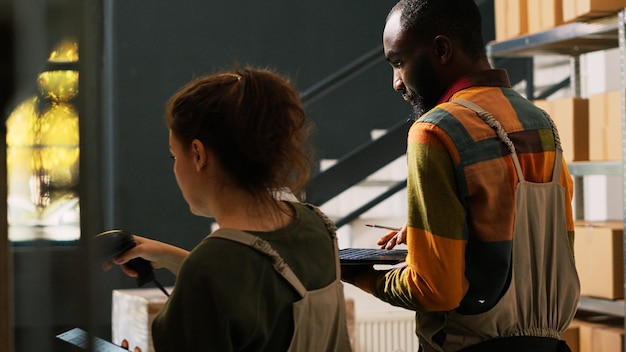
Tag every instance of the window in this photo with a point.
(43, 154)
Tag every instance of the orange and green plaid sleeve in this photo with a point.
(434, 277)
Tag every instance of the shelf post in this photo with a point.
(575, 81)
(574, 40)
(621, 30)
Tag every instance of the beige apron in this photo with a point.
(543, 295)
(320, 316)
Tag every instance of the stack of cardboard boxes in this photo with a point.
(605, 126)
(595, 333)
(571, 116)
(590, 130)
(518, 17)
(599, 255)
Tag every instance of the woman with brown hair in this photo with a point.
(239, 139)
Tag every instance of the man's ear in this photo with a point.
(443, 49)
(199, 154)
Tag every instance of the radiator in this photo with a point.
(386, 332)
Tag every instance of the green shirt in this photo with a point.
(228, 297)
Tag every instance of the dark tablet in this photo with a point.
(360, 256)
(77, 339)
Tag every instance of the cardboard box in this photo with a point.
(571, 116)
(586, 329)
(544, 14)
(605, 126)
(599, 255)
(544, 105)
(572, 336)
(511, 17)
(133, 311)
(583, 10)
(608, 339)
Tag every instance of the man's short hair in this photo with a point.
(460, 20)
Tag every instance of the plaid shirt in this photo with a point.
(461, 197)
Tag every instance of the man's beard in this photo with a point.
(418, 103)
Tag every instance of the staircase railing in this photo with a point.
(364, 160)
(342, 76)
(357, 165)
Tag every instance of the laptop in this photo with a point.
(371, 256)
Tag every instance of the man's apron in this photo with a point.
(543, 295)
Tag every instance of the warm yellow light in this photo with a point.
(50, 141)
(65, 51)
(58, 138)
(60, 85)
(21, 131)
(21, 123)
(43, 154)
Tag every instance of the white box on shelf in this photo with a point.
(132, 313)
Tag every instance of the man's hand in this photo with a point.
(393, 238)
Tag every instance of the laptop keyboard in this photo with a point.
(353, 254)
(359, 253)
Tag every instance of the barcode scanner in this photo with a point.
(113, 243)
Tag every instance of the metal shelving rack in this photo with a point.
(574, 40)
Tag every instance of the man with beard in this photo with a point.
(489, 264)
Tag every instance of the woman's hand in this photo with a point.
(159, 254)
(125, 345)
(393, 238)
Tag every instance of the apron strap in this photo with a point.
(556, 172)
(332, 230)
(279, 264)
(264, 247)
(493, 123)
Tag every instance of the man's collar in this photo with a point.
(485, 78)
